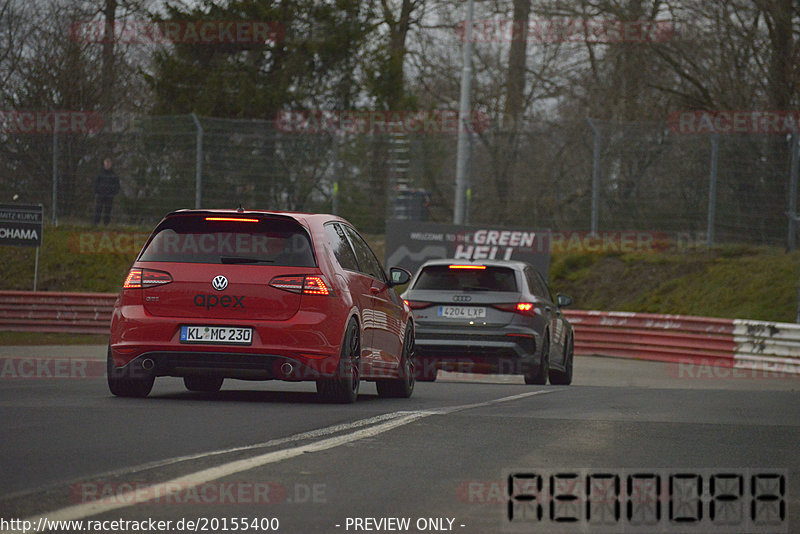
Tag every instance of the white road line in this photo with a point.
(461, 408)
(302, 436)
(139, 496)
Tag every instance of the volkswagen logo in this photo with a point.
(219, 283)
(462, 298)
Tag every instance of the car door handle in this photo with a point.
(374, 290)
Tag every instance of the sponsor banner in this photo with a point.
(178, 32)
(47, 122)
(601, 242)
(410, 244)
(734, 122)
(566, 30)
(378, 122)
(21, 225)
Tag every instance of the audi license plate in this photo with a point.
(216, 334)
(462, 312)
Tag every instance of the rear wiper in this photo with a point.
(240, 259)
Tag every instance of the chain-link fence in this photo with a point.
(581, 175)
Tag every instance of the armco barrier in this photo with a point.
(756, 345)
(669, 338)
(41, 311)
(767, 346)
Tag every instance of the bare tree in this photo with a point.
(399, 21)
(12, 32)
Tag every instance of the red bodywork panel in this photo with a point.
(306, 328)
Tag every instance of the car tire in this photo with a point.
(564, 378)
(539, 376)
(401, 387)
(343, 387)
(204, 384)
(424, 373)
(121, 382)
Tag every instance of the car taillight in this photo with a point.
(315, 285)
(523, 308)
(416, 305)
(307, 285)
(468, 267)
(134, 279)
(231, 219)
(139, 278)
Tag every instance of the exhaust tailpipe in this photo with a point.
(287, 369)
(148, 364)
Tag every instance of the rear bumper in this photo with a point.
(227, 365)
(508, 350)
(310, 343)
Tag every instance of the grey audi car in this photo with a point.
(494, 316)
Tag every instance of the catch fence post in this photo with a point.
(198, 177)
(712, 191)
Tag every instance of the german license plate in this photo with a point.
(462, 312)
(216, 334)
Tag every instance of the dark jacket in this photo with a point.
(107, 183)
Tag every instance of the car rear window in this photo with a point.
(260, 241)
(488, 279)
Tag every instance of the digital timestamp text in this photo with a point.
(708, 501)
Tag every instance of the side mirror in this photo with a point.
(398, 277)
(564, 301)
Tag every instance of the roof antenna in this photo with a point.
(240, 209)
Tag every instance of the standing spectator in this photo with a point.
(106, 188)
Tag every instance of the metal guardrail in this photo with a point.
(644, 336)
(761, 345)
(741, 344)
(754, 345)
(43, 311)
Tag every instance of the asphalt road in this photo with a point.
(437, 462)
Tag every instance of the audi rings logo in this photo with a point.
(219, 283)
(462, 298)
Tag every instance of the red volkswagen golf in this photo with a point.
(257, 295)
